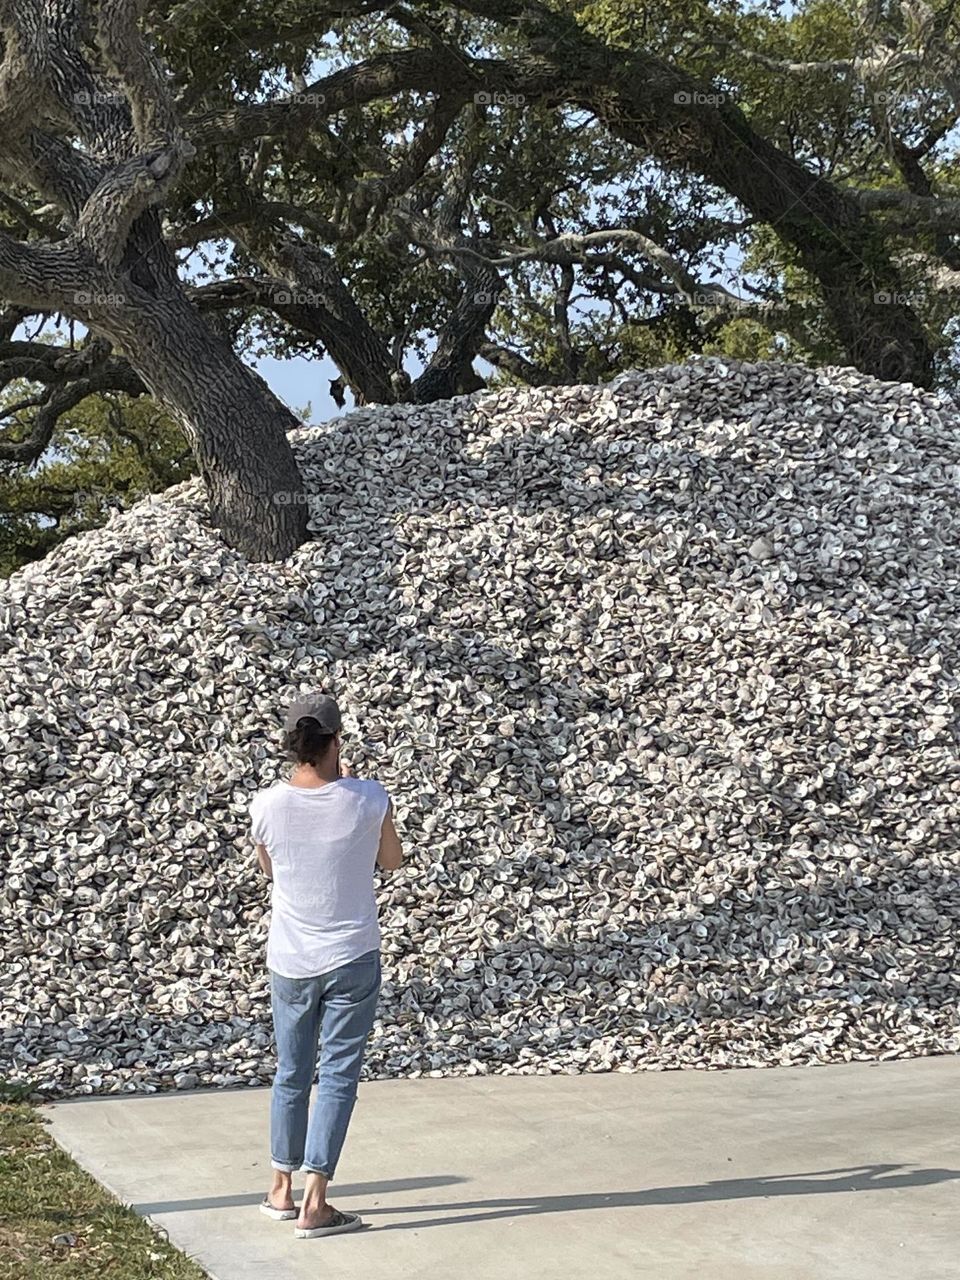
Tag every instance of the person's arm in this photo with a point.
(389, 855)
(266, 866)
(258, 831)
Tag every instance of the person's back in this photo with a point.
(323, 843)
(318, 838)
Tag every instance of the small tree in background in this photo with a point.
(104, 455)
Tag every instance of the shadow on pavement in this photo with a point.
(869, 1177)
(857, 1178)
(254, 1197)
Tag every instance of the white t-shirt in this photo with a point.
(323, 844)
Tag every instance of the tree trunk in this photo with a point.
(330, 312)
(117, 152)
(235, 424)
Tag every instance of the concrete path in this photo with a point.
(788, 1174)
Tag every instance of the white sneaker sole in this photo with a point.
(278, 1215)
(314, 1233)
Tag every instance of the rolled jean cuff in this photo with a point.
(284, 1168)
(322, 1172)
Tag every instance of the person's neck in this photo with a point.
(308, 775)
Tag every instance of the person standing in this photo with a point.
(318, 838)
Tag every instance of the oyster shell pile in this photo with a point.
(662, 677)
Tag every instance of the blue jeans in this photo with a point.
(336, 1009)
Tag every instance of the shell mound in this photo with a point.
(661, 675)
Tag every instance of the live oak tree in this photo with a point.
(559, 189)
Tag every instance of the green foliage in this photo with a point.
(104, 455)
(746, 339)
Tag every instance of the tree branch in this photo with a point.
(52, 365)
(27, 219)
(373, 196)
(432, 70)
(938, 213)
(460, 335)
(60, 399)
(501, 357)
(127, 191)
(41, 277)
(882, 61)
(218, 224)
(155, 125)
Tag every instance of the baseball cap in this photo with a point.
(320, 706)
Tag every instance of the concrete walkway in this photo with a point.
(789, 1174)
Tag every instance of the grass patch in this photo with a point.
(44, 1194)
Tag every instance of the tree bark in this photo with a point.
(94, 74)
(236, 426)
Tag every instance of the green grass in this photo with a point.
(44, 1194)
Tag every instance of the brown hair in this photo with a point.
(307, 742)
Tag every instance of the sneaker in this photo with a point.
(339, 1223)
